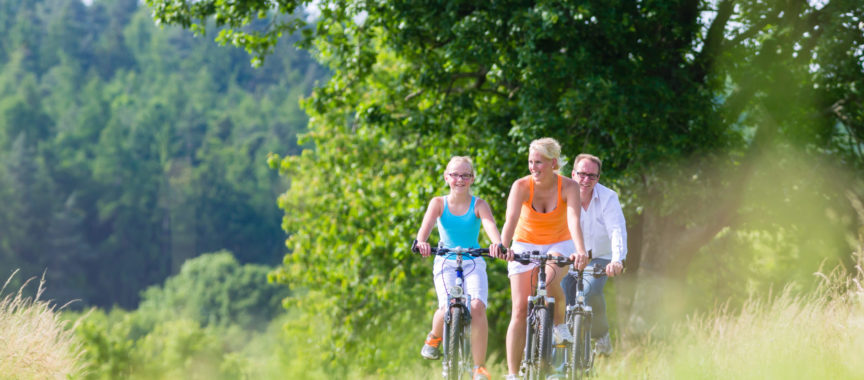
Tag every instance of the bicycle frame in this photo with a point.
(538, 335)
(457, 316)
(579, 357)
(458, 298)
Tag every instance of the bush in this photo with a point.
(207, 322)
(214, 289)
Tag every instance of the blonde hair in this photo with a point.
(455, 160)
(549, 148)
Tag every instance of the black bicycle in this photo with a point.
(579, 357)
(536, 360)
(457, 361)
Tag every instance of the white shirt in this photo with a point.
(603, 226)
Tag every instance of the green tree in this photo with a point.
(128, 150)
(647, 85)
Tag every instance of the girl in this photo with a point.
(459, 216)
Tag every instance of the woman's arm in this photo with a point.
(574, 204)
(518, 195)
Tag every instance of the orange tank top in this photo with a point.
(542, 228)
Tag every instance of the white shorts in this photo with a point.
(475, 283)
(566, 248)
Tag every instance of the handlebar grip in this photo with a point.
(564, 263)
(414, 246)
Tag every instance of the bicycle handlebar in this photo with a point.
(527, 257)
(596, 271)
(441, 251)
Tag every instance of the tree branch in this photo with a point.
(713, 40)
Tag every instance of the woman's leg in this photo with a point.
(554, 274)
(520, 289)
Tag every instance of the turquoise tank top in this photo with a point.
(459, 231)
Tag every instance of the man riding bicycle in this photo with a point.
(605, 234)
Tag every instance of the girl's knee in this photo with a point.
(477, 308)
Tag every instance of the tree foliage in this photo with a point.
(125, 149)
(688, 102)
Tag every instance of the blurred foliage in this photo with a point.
(126, 149)
(213, 320)
(214, 289)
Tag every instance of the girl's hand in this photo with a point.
(425, 249)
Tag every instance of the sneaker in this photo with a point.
(511, 377)
(603, 345)
(562, 334)
(430, 348)
(481, 374)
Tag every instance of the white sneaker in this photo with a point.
(511, 377)
(603, 345)
(562, 334)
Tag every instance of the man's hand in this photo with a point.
(614, 268)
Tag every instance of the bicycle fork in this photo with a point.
(457, 298)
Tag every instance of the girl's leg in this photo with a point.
(438, 323)
(479, 332)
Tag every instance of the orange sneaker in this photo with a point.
(430, 347)
(481, 373)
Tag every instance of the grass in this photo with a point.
(785, 336)
(34, 342)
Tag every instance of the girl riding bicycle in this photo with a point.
(459, 216)
(542, 215)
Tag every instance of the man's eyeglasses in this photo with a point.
(464, 177)
(592, 176)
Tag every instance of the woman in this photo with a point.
(459, 216)
(542, 215)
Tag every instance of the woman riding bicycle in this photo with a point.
(542, 215)
(459, 216)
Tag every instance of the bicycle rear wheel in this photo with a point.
(454, 344)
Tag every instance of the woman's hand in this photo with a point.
(580, 260)
(499, 251)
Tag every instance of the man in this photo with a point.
(605, 235)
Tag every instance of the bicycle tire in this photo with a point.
(454, 344)
(544, 342)
(581, 348)
(529, 357)
(467, 362)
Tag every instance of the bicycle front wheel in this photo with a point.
(544, 341)
(581, 353)
(454, 345)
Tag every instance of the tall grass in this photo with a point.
(35, 342)
(784, 336)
